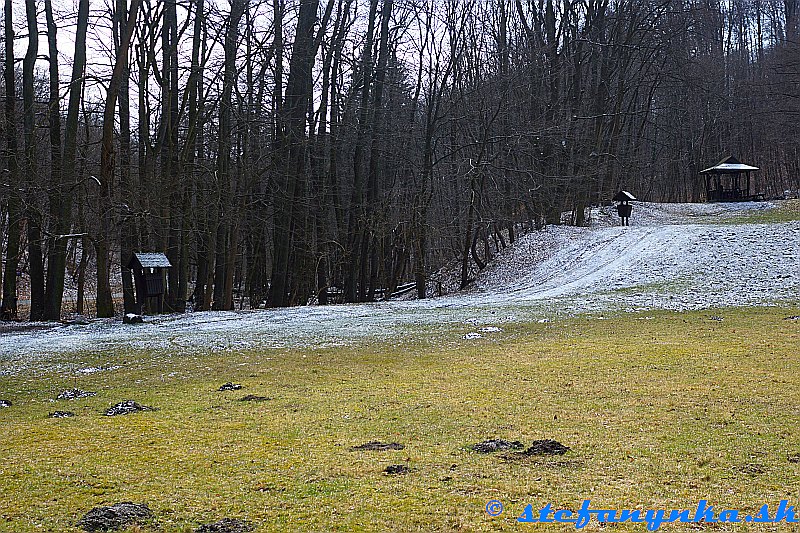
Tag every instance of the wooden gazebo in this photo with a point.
(729, 181)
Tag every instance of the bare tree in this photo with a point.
(8, 307)
(102, 243)
(58, 193)
(33, 214)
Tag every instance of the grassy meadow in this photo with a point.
(660, 410)
(784, 211)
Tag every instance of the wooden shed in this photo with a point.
(624, 207)
(148, 275)
(729, 181)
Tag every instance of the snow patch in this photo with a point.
(673, 256)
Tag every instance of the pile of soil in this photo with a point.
(753, 469)
(395, 470)
(545, 447)
(377, 446)
(132, 318)
(117, 516)
(229, 386)
(5, 403)
(61, 414)
(495, 445)
(226, 525)
(269, 488)
(73, 394)
(127, 407)
(254, 398)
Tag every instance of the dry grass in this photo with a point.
(785, 211)
(660, 411)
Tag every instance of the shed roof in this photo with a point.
(149, 260)
(623, 196)
(729, 165)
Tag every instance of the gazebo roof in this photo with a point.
(729, 165)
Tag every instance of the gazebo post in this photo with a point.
(748, 183)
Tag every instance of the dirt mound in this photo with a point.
(115, 517)
(61, 414)
(127, 407)
(226, 525)
(395, 470)
(377, 446)
(753, 469)
(74, 394)
(496, 445)
(132, 318)
(5, 403)
(229, 386)
(545, 447)
(254, 398)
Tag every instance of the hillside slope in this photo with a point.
(674, 256)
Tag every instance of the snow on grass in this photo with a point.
(674, 256)
(668, 259)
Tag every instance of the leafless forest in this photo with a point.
(284, 152)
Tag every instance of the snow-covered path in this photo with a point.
(675, 256)
(681, 266)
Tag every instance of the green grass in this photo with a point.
(660, 410)
(785, 211)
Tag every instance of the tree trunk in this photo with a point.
(105, 302)
(357, 219)
(191, 151)
(81, 282)
(32, 212)
(222, 295)
(170, 172)
(8, 306)
(289, 214)
(128, 233)
(59, 196)
(59, 219)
